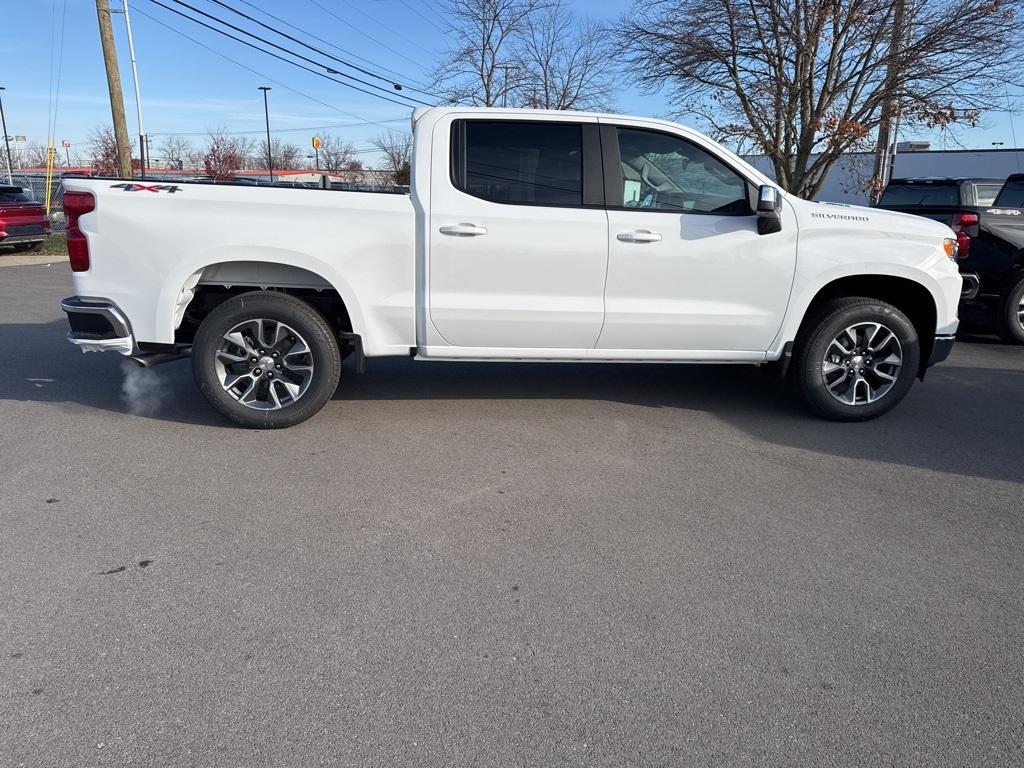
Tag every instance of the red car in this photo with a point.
(23, 222)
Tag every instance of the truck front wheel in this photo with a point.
(266, 360)
(857, 359)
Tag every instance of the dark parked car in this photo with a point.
(23, 222)
(989, 228)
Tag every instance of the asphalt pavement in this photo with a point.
(504, 565)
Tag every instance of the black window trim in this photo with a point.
(613, 171)
(592, 181)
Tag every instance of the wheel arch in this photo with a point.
(911, 297)
(219, 276)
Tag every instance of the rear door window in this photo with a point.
(521, 162)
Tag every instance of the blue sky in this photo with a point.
(187, 89)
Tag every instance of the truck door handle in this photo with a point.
(463, 230)
(639, 236)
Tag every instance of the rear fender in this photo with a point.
(231, 263)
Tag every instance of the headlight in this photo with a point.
(950, 245)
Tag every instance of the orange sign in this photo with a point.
(316, 142)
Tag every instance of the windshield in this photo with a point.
(910, 194)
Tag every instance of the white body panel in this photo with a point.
(532, 278)
(543, 283)
(144, 246)
(710, 283)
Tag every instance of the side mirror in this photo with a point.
(769, 200)
(769, 210)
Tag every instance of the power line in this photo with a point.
(60, 67)
(286, 50)
(367, 35)
(381, 67)
(397, 86)
(423, 16)
(260, 74)
(390, 29)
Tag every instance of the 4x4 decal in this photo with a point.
(135, 187)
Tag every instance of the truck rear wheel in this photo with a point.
(856, 360)
(1010, 317)
(266, 360)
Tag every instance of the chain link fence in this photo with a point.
(35, 185)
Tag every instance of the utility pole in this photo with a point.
(143, 143)
(890, 106)
(7, 142)
(124, 154)
(266, 115)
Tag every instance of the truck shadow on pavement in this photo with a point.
(963, 420)
(41, 366)
(958, 421)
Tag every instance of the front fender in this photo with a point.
(942, 284)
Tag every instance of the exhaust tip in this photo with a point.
(149, 359)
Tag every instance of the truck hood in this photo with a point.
(882, 220)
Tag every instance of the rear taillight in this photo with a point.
(961, 221)
(75, 204)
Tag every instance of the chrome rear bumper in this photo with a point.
(97, 326)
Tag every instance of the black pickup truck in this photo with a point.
(988, 218)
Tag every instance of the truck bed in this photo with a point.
(169, 235)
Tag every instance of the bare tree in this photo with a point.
(480, 68)
(564, 62)
(285, 156)
(32, 156)
(807, 80)
(396, 149)
(174, 150)
(103, 155)
(335, 153)
(224, 154)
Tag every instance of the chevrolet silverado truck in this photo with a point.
(988, 218)
(527, 235)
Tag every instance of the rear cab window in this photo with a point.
(14, 196)
(911, 194)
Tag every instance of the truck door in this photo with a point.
(687, 268)
(518, 234)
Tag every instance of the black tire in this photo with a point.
(827, 323)
(1009, 320)
(322, 353)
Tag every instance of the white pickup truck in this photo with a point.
(528, 235)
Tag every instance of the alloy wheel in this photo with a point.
(264, 364)
(862, 363)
